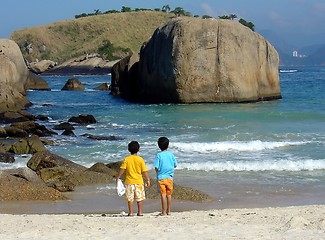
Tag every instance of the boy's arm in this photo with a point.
(146, 176)
(120, 173)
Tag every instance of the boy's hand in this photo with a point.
(147, 183)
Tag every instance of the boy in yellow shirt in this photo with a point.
(135, 169)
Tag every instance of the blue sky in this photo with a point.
(300, 22)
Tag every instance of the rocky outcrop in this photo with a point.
(32, 127)
(100, 138)
(83, 119)
(41, 66)
(14, 74)
(88, 64)
(73, 84)
(15, 116)
(24, 184)
(191, 60)
(51, 167)
(35, 82)
(29, 145)
(102, 87)
(124, 77)
(6, 157)
(65, 175)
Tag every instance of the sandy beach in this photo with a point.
(297, 222)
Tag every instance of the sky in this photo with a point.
(299, 22)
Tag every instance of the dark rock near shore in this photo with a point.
(108, 138)
(179, 192)
(14, 132)
(102, 168)
(28, 145)
(51, 167)
(36, 82)
(6, 157)
(102, 87)
(41, 117)
(83, 119)
(15, 116)
(68, 132)
(73, 84)
(32, 127)
(64, 126)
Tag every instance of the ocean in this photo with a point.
(243, 155)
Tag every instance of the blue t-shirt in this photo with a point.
(165, 162)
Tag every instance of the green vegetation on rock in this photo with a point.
(112, 34)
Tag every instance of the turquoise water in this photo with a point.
(267, 152)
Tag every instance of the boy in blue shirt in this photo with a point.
(164, 164)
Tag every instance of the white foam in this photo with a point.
(288, 71)
(280, 165)
(224, 146)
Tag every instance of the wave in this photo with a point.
(288, 70)
(213, 147)
(239, 166)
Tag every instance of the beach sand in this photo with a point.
(297, 222)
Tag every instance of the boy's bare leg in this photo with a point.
(169, 202)
(163, 204)
(139, 208)
(130, 206)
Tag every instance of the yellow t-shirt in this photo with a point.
(134, 166)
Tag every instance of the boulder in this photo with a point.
(14, 74)
(84, 178)
(41, 66)
(15, 116)
(124, 77)
(6, 157)
(101, 138)
(28, 145)
(25, 185)
(73, 84)
(102, 87)
(64, 126)
(83, 119)
(14, 132)
(87, 64)
(32, 127)
(102, 168)
(36, 82)
(190, 60)
(68, 132)
(51, 167)
(179, 193)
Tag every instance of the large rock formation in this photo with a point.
(190, 60)
(15, 78)
(14, 74)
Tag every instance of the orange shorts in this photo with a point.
(166, 186)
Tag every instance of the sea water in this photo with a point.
(265, 153)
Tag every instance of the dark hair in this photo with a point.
(133, 147)
(163, 143)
